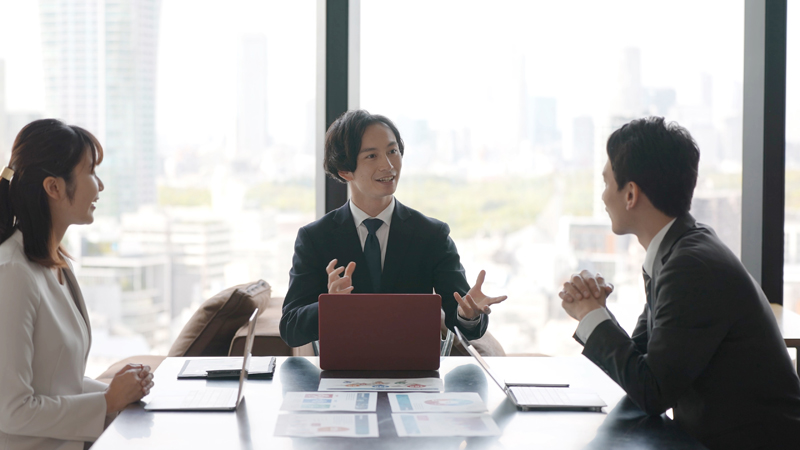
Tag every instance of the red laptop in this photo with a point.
(379, 331)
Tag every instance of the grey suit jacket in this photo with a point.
(46, 402)
(706, 345)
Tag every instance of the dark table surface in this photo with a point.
(252, 426)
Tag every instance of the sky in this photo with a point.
(454, 62)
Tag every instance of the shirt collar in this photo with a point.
(359, 216)
(652, 249)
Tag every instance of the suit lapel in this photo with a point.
(682, 225)
(347, 247)
(679, 228)
(400, 236)
(77, 297)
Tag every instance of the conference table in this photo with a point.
(252, 425)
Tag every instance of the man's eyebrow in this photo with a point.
(370, 149)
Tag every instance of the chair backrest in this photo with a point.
(212, 327)
(487, 345)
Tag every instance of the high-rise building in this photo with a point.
(132, 292)
(583, 137)
(630, 97)
(100, 70)
(251, 115)
(73, 62)
(197, 242)
(131, 42)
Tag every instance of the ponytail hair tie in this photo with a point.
(7, 174)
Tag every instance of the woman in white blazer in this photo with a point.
(46, 402)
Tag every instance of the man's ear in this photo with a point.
(54, 187)
(633, 195)
(348, 176)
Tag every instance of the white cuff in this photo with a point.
(468, 324)
(590, 322)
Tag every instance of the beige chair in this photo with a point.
(487, 345)
(218, 328)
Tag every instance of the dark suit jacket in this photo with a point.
(706, 345)
(420, 258)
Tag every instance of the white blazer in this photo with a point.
(46, 402)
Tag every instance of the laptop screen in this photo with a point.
(497, 379)
(248, 349)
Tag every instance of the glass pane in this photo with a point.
(206, 112)
(505, 109)
(791, 269)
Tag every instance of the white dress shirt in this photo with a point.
(359, 216)
(594, 318)
(382, 233)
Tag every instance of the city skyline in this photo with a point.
(504, 139)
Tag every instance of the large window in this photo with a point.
(791, 271)
(206, 112)
(505, 109)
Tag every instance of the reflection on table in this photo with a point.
(252, 426)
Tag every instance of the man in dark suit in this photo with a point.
(395, 248)
(707, 344)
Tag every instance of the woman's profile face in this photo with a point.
(87, 191)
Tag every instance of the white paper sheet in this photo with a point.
(330, 401)
(445, 425)
(381, 384)
(414, 402)
(316, 425)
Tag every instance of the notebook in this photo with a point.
(379, 331)
(538, 397)
(210, 399)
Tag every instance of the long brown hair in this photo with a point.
(43, 148)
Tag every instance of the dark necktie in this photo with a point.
(372, 252)
(648, 292)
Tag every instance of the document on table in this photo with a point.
(381, 384)
(461, 402)
(330, 401)
(424, 425)
(317, 425)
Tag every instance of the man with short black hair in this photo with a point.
(707, 344)
(382, 245)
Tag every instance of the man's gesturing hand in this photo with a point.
(476, 302)
(340, 284)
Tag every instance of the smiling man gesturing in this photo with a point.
(375, 244)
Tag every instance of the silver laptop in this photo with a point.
(538, 397)
(211, 399)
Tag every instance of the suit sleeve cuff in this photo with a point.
(590, 322)
(469, 324)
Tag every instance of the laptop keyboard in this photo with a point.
(529, 395)
(209, 398)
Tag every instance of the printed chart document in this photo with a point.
(317, 425)
(382, 384)
(445, 425)
(330, 401)
(460, 402)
